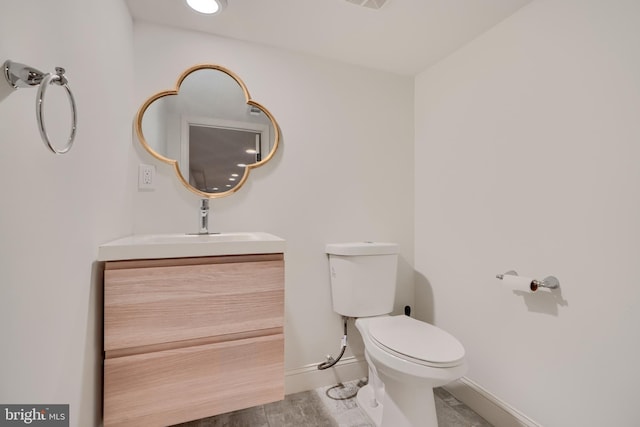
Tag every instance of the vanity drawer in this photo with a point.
(179, 385)
(154, 302)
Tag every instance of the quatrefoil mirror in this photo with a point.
(209, 129)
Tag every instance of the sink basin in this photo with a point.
(152, 239)
(147, 246)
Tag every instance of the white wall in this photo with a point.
(527, 158)
(344, 171)
(56, 210)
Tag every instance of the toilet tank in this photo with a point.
(363, 277)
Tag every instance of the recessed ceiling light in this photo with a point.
(251, 151)
(241, 165)
(208, 7)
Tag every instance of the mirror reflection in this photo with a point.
(209, 129)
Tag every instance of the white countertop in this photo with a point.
(153, 246)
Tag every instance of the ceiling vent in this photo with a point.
(372, 4)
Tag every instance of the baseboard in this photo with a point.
(493, 409)
(309, 377)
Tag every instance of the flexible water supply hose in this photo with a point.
(343, 346)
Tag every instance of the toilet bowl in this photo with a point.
(407, 358)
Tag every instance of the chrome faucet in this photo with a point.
(204, 217)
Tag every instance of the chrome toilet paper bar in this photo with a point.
(23, 76)
(549, 282)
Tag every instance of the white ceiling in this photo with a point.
(404, 36)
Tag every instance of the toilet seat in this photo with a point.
(416, 341)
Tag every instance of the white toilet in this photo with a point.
(407, 358)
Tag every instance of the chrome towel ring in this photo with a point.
(60, 80)
(20, 76)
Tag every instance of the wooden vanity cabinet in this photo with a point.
(189, 338)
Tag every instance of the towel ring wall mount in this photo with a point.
(24, 76)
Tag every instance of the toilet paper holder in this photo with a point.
(550, 282)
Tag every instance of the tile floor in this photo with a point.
(315, 409)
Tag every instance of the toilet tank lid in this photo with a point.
(362, 248)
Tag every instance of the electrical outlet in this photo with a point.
(146, 177)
